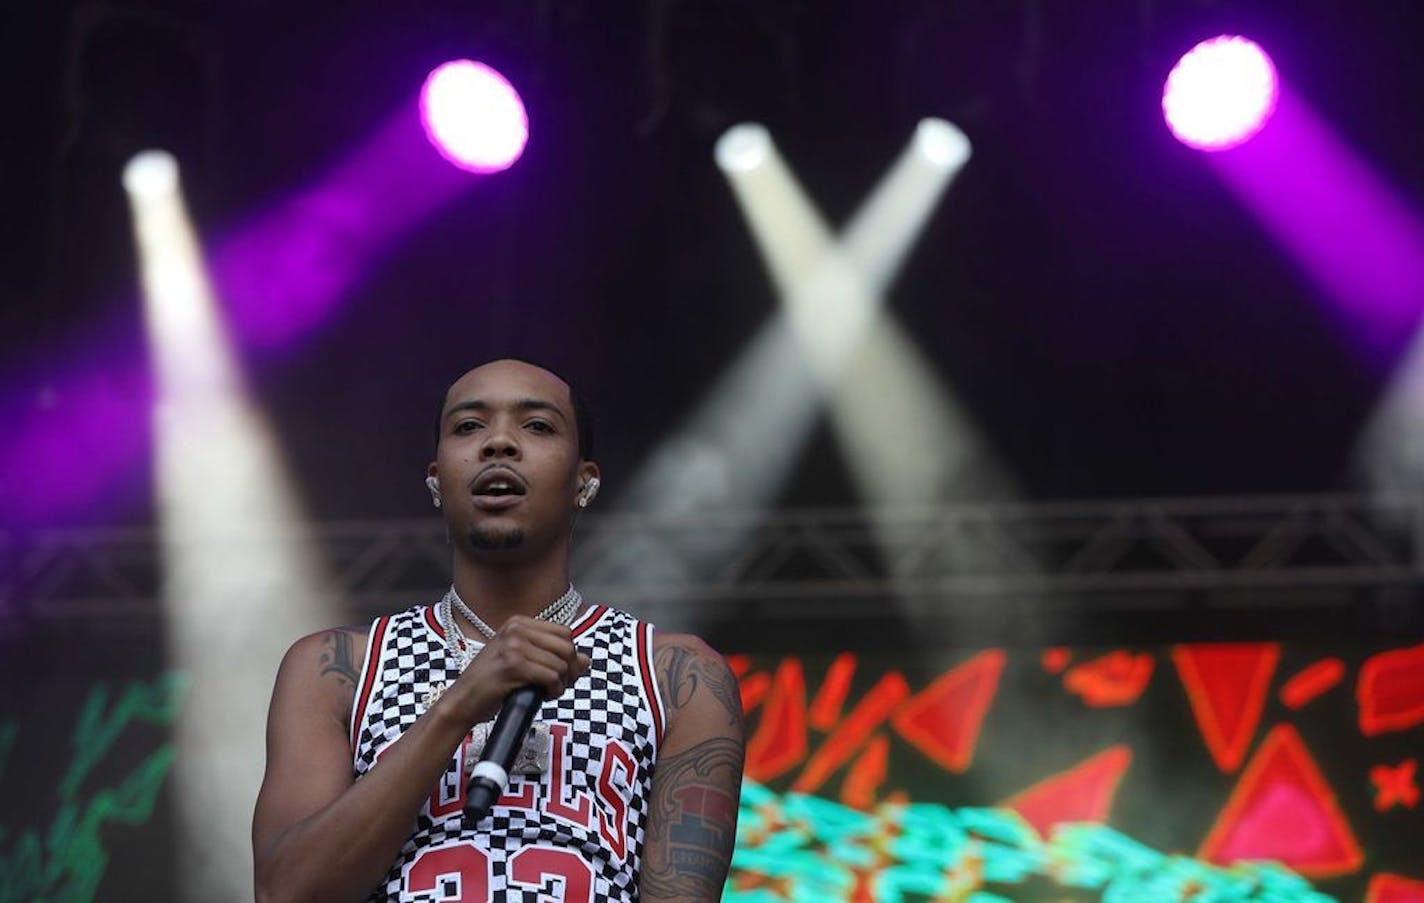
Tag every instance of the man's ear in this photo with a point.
(432, 482)
(588, 483)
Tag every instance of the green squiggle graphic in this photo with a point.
(67, 862)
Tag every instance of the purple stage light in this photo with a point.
(473, 116)
(1220, 93)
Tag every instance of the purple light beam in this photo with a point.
(1360, 245)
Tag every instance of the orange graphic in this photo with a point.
(739, 664)
(1082, 793)
(831, 697)
(1387, 888)
(1226, 684)
(1115, 679)
(1391, 691)
(1056, 658)
(780, 739)
(754, 688)
(1282, 809)
(1313, 681)
(868, 715)
(1394, 785)
(943, 720)
(866, 775)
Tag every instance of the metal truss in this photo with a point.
(842, 560)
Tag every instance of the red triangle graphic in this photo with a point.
(1084, 792)
(1388, 888)
(1226, 684)
(943, 720)
(1282, 809)
(780, 738)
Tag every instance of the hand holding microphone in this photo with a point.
(527, 662)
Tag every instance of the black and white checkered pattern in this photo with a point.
(609, 703)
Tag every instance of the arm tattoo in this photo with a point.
(683, 671)
(337, 658)
(693, 822)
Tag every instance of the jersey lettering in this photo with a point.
(448, 797)
(613, 813)
(538, 867)
(456, 872)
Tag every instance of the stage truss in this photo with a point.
(842, 563)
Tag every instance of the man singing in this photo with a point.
(627, 786)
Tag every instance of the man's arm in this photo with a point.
(698, 777)
(317, 833)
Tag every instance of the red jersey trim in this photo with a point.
(433, 622)
(650, 682)
(586, 621)
(374, 644)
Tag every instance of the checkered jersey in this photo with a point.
(573, 834)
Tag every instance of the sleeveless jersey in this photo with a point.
(573, 834)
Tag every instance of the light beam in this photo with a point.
(240, 576)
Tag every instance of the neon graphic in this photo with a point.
(1394, 785)
(851, 733)
(803, 848)
(867, 774)
(68, 860)
(1282, 809)
(1055, 659)
(943, 720)
(780, 740)
(1116, 679)
(830, 699)
(1083, 793)
(1389, 888)
(754, 688)
(1227, 684)
(1391, 691)
(1310, 683)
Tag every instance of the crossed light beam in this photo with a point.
(241, 577)
(908, 442)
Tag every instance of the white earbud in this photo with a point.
(434, 486)
(590, 489)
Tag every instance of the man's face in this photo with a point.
(507, 460)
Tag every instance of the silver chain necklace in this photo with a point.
(562, 610)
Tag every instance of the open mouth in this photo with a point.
(498, 488)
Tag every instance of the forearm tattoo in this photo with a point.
(692, 825)
(338, 658)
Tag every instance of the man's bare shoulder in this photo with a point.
(328, 661)
(689, 670)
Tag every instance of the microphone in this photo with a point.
(491, 774)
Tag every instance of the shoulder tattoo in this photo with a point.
(338, 657)
(685, 671)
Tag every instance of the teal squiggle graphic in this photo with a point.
(67, 862)
(8, 733)
(795, 847)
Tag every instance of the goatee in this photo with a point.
(489, 540)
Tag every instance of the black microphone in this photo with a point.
(491, 774)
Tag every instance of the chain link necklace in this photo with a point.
(562, 610)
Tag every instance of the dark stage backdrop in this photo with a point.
(988, 774)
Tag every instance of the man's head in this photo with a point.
(513, 459)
